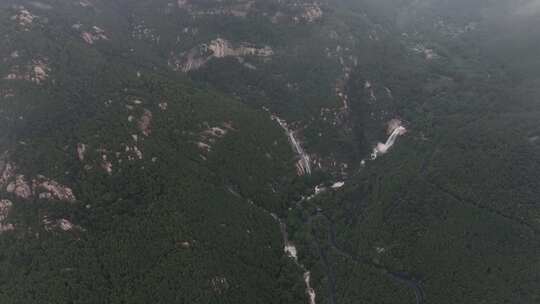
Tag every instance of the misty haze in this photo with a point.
(270, 151)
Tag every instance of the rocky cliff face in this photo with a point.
(218, 48)
(15, 185)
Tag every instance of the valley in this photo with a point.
(249, 151)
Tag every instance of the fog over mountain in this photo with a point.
(270, 151)
(527, 8)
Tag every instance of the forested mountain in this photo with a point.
(269, 151)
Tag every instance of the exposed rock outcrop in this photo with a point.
(24, 18)
(312, 12)
(81, 151)
(211, 134)
(36, 72)
(145, 122)
(40, 187)
(106, 164)
(219, 284)
(134, 153)
(142, 32)
(60, 224)
(50, 189)
(223, 48)
(303, 165)
(218, 48)
(5, 207)
(429, 54)
(163, 106)
(8, 171)
(239, 8)
(297, 12)
(20, 187)
(85, 3)
(93, 35)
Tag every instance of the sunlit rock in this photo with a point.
(20, 187)
(145, 122)
(5, 208)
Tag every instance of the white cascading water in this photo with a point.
(304, 162)
(291, 251)
(383, 148)
(310, 291)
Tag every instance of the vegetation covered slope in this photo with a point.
(140, 162)
(153, 166)
(452, 209)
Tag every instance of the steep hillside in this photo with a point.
(122, 182)
(250, 151)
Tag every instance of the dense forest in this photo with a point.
(335, 151)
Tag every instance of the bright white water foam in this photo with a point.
(383, 148)
(304, 162)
